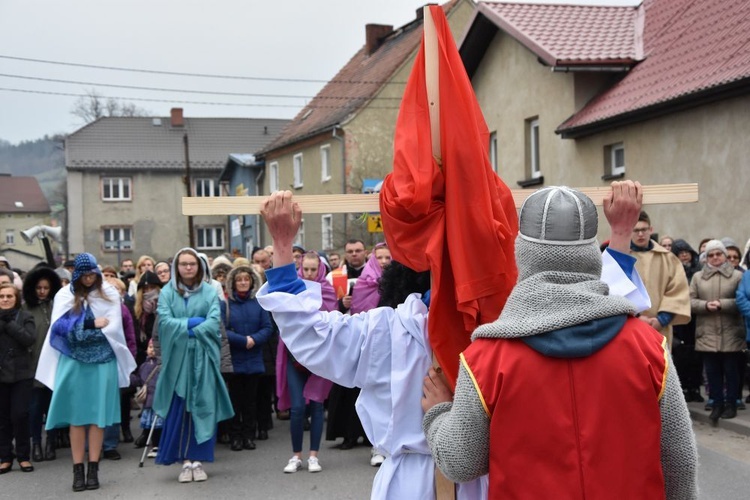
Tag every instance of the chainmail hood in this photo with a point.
(559, 266)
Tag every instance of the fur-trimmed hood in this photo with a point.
(33, 277)
(229, 283)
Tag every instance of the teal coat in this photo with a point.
(190, 366)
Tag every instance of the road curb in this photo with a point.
(740, 424)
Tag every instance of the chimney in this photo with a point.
(374, 34)
(177, 119)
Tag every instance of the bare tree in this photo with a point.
(93, 106)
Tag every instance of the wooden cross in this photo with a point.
(358, 203)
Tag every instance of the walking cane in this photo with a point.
(148, 441)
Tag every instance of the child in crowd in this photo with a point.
(148, 374)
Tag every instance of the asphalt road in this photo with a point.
(257, 474)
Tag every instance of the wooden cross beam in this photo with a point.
(358, 203)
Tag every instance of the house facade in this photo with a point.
(581, 95)
(342, 140)
(127, 177)
(243, 175)
(22, 207)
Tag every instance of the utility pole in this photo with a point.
(188, 186)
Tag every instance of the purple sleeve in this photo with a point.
(128, 329)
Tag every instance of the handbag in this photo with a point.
(142, 393)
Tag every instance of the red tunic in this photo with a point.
(575, 428)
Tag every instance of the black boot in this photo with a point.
(716, 413)
(79, 479)
(236, 444)
(36, 452)
(92, 476)
(49, 449)
(140, 441)
(730, 411)
(248, 444)
(127, 436)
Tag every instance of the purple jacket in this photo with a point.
(138, 378)
(316, 388)
(128, 329)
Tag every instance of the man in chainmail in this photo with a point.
(534, 405)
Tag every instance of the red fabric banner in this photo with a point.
(458, 219)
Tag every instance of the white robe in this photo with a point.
(386, 352)
(49, 357)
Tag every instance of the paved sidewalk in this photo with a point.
(740, 424)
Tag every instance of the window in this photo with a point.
(117, 237)
(116, 189)
(206, 187)
(273, 177)
(493, 150)
(10, 237)
(298, 171)
(614, 161)
(535, 169)
(210, 237)
(325, 163)
(299, 240)
(326, 231)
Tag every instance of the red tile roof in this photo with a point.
(21, 195)
(565, 35)
(692, 48)
(354, 86)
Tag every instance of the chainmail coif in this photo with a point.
(558, 287)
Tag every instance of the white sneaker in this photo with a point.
(152, 453)
(198, 473)
(186, 476)
(293, 465)
(313, 465)
(376, 458)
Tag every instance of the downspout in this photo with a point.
(256, 225)
(343, 171)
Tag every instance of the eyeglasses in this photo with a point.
(188, 264)
(733, 257)
(715, 254)
(164, 271)
(641, 230)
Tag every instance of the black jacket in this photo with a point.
(17, 334)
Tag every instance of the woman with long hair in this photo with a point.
(85, 347)
(190, 393)
(145, 263)
(144, 311)
(295, 384)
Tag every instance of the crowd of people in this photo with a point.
(195, 343)
(187, 333)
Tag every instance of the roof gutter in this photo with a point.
(590, 69)
(735, 89)
(343, 167)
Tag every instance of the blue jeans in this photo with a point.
(111, 437)
(722, 368)
(296, 381)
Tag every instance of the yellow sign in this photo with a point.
(374, 224)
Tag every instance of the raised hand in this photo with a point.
(621, 208)
(282, 216)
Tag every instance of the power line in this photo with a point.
(172, 101)
(197, 75)
(185, 91)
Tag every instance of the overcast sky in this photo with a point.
(276, 39)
